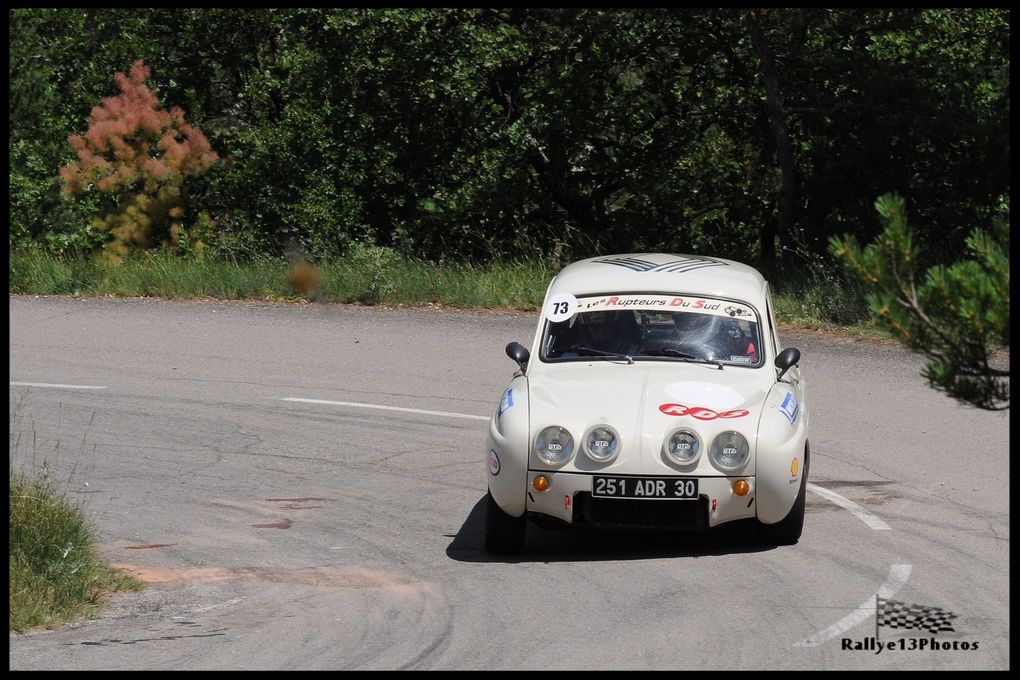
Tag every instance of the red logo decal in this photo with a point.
(700, 412)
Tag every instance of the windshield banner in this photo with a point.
(665, 303)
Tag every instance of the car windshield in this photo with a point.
(655, 327)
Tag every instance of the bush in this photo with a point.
(138, 156)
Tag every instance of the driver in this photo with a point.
(734, 342)
(718, 337)
(609, 331)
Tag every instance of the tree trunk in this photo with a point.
(552, 175)
(784, 149)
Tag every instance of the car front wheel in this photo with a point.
(503, 534)
(788, 530)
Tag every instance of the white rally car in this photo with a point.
(658, 396)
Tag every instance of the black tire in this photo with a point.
(788, 530)
(504, 535)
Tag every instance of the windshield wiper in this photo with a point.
(591, 351)
(683, 356)
(668, 352)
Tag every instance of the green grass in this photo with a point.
(804, 296)
(821, 298)
(56, 575)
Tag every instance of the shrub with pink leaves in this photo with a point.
(138, 155)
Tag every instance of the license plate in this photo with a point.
(656, 488)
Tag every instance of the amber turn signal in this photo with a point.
(740, 487)
(541, 483)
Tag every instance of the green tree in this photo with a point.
(524, 132)
(957, 315)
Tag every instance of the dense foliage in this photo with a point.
(956, 316)
(521, 133)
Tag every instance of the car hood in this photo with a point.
(645, 402)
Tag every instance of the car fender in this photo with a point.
(779, 462)
(507, 449)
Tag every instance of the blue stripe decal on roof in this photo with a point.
(687, 264)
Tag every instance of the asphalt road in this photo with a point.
(291, 535)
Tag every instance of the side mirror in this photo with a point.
(787, 359)
(518, 353)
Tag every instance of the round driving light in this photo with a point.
(601, 443)
(741, 487)
(541, 483)
(729, 451)
(554, 445)
(683, 447)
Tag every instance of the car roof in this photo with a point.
(661, 272)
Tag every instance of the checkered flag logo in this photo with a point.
(893, 614)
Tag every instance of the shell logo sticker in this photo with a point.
(794, 466)
(493, 462)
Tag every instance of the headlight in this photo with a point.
(682, 447)
(554, 445)
(729, 451)
(601, 443)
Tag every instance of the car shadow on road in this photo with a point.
(576, 544)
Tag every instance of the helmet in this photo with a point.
(732, 328)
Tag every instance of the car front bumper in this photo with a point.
(569, 499)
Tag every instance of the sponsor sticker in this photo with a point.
(789, 407)
(666, 303)
(737, 311)
(493, 462)
(507, 401)
(701, 412)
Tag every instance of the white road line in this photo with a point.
(898, 575)
(214, 606)
(386, 408)
(66, 387)
(861, 514)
